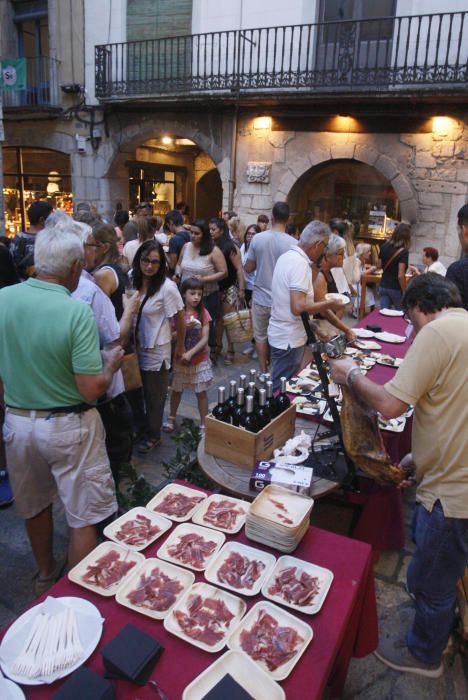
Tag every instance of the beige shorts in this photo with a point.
(260, 320)
(65, 453)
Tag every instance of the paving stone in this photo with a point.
(403, 569)
(390, 595)
(387, 564)
(367, 679)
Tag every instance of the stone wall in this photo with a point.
(429, 172)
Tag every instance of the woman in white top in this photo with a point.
(160, 302)
(431, 262)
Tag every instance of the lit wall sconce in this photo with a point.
(166, 140)
(262, 123)
(441, 125)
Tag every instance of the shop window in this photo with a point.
(349, 190)
(32, 174)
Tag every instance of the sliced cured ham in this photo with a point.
(107, 570)
(177, 504)
(137, 531)
(155, 591)
(192, 549)
(223, 514)
(206, 619)
(239, 571)
(267, 641)
(299, 589)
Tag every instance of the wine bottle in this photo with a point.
(251, 422)
(238, 417)
(270, 401)
(243, 381)
(251, 392)
(232, 402)
(263, 413)
(221, 410)
(282, 400)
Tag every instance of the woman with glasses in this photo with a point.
(325, 282)
(160, 302)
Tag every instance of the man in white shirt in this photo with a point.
(293, 294)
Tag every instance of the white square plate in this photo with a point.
(215, 500)
(284, 619)
(252, 554)
(184, 577)
(324, 576)
(113, 530)
(235, 605)
(101, 552)
(156, 504)
(244, 671)
(184, 529)
(279, 505)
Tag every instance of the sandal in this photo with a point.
(169, 425)
(147, 445)
(41, 585)
(229, 358)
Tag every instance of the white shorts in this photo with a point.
(62, 453)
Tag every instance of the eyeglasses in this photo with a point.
(146, 261)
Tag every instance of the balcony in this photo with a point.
(42, 88)
(386, 55)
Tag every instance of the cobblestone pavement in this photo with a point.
(368, 678)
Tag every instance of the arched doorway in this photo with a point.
(209, 195)
(169, 169)
(348, 189)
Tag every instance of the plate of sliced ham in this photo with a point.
(192, 546)
(176, 502)
(240, 568)
(138, 528)
(222, 513)
(273, 638)
(205, 616)
(298, 584)
(155, 588)
(105, 568)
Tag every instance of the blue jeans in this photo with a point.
(440, 559)
(285, 363)
(390, 298)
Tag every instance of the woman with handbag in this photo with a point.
(160, 302)
(232, 287)
(394, 262)
(202, 260)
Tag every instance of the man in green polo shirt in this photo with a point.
(53, 372)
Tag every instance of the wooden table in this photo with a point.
(366, 279)
(235, 479)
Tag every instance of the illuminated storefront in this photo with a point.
(32, 174)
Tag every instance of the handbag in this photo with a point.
(130, 365)
(238, 323)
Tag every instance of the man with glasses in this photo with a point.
(432, 378)
(53, 372)
(458, 271)
(292, 294)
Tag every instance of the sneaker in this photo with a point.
(248, 351)
(41, 585)
(147, 445)
(6, 494)
(394, 652)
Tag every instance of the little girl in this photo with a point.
(193, 369)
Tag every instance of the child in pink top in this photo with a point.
(193, 369)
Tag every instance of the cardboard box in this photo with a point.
(243, 447)
(295, 477)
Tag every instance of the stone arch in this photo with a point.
(360, 153)
(42, 138)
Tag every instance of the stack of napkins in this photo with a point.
(279, 518)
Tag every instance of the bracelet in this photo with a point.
(349, 379)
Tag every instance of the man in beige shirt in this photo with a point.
(432, 377)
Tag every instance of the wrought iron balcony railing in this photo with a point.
(42, 85)
(386, 54)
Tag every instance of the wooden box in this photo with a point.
(243, 447)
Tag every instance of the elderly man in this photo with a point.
(432, 377)
(53, 372)
(293, 294)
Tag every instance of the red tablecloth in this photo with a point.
(345, 627)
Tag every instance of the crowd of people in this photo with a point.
(81, 295)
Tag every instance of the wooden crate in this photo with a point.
(243, 447)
